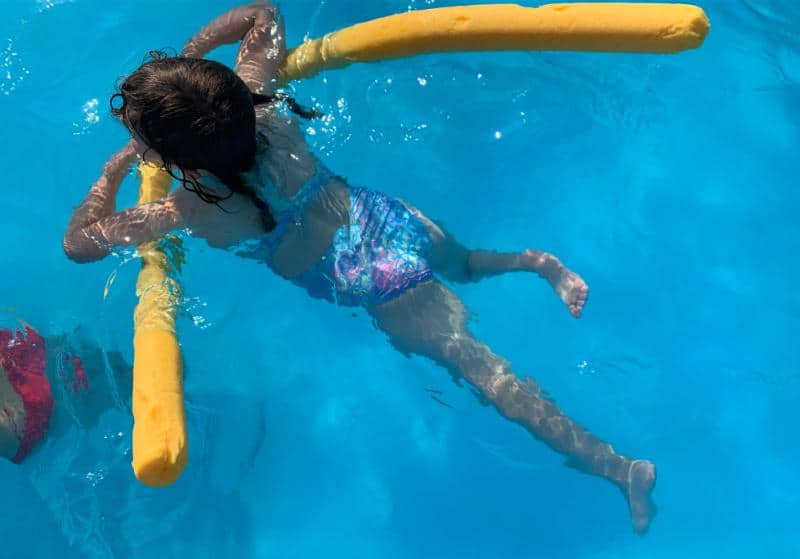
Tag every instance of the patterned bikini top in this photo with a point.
(288, 213)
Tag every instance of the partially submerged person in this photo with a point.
(54, 391)
(37, 377)
(252, 186)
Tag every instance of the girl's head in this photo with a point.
(195, 114)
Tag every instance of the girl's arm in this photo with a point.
(259, 28)
(95, 227)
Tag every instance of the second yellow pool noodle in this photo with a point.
(598, 27)
(159, 429)
(159, 434)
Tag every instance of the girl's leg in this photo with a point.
(455, 263)
(430, 320)
(566, 283)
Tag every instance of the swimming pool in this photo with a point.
(667, 182)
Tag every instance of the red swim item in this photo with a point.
(23, 359)
(79, 380)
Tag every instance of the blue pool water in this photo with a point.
(669, 183)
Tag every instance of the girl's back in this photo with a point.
(309, 202)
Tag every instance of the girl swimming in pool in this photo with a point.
(252, 186)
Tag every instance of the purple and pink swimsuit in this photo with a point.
(381, 253)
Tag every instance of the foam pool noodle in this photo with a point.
(159, 429)
(159, 433)
(600, 27)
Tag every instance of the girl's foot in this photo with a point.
(641, 480)
(566, 283)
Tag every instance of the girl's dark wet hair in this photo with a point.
(197, 114)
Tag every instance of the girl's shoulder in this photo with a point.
(276, 128)
(283, 156)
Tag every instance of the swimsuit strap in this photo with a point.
(314, 184)
(292, 213)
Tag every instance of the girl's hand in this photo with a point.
(227, 28)
(119, 164)
(262, 52)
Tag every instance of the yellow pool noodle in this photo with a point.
(159, 433)
(601, 27)
(159, 429)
